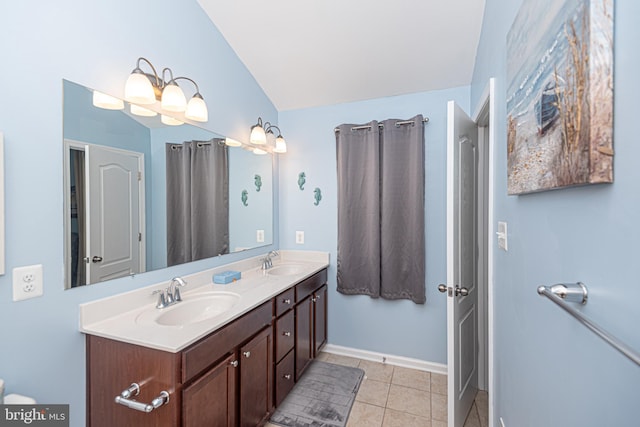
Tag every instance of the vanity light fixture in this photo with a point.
(145, 89)
(259, 133)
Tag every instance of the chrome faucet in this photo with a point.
(267, 263)
(171, 295)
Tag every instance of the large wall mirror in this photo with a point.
(141, 195)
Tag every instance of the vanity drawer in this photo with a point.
(284, 377)
(285, 336)
(210, 349)
(307, 286)
(285, 301)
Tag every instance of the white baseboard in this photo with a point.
(405, 362)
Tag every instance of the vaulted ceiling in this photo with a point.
(307, 53)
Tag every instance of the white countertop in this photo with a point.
(116, 317)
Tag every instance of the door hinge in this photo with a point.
(139, 237)
(139, 176)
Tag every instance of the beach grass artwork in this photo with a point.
(560, 95)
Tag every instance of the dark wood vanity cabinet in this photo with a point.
(311, 320)
(235, 376)
(225, 379)
(284, 330)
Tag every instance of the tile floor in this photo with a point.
(392, 396)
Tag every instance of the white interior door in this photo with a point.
(113, 214)
(462, 255)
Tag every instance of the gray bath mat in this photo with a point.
(322, 398)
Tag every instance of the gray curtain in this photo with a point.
(381, 242)
(358, 160)
(197, 201)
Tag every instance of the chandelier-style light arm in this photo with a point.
(191, 80)
(155, 73)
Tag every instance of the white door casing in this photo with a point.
(113, 213)
(462, 252)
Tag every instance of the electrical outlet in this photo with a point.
(260, 236)
(300, 237)
(27, 282)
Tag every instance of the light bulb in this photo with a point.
(257, 135)
(281, 145)
(139, 90)
(197, 109)
(173, 98)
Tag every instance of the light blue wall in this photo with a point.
(550, 370)
(391, 327)
(95, 44)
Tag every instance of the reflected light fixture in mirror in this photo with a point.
(168, 120)
(232, 142)
(145, 89)
(259, 133)
(108, 102)
(141, 111)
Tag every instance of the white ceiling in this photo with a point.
(307, 53)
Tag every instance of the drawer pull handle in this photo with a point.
(247, 354)
(234, 363)
(287, 376)
(134, 390)
(286, 301)
(286, 334)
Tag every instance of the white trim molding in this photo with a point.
(2, 254)
(405, 362)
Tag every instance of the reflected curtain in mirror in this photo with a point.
(197, 201)
(381, 242)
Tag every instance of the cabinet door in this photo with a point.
(256, 379)
(304, 345)
(211, 400)
(319, 319)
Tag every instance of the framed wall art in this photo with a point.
(560, 95)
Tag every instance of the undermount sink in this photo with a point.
(193, 309)
(285, 270)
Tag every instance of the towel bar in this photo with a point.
(577, 292)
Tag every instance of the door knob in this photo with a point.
(442, 288)
(234, 363)
(462, 291)
(97, 259)
(247, 354)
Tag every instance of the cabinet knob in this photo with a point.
(234, 363)
(287, 376)
(286, 334)
(287, 301)
(247, 354)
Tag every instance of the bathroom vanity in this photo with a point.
(230, 370)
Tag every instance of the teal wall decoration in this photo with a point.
(317, 195)
(301, 180)
(258, 182)
(245, 196)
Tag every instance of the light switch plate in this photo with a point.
(502, 236)
(300, 237)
